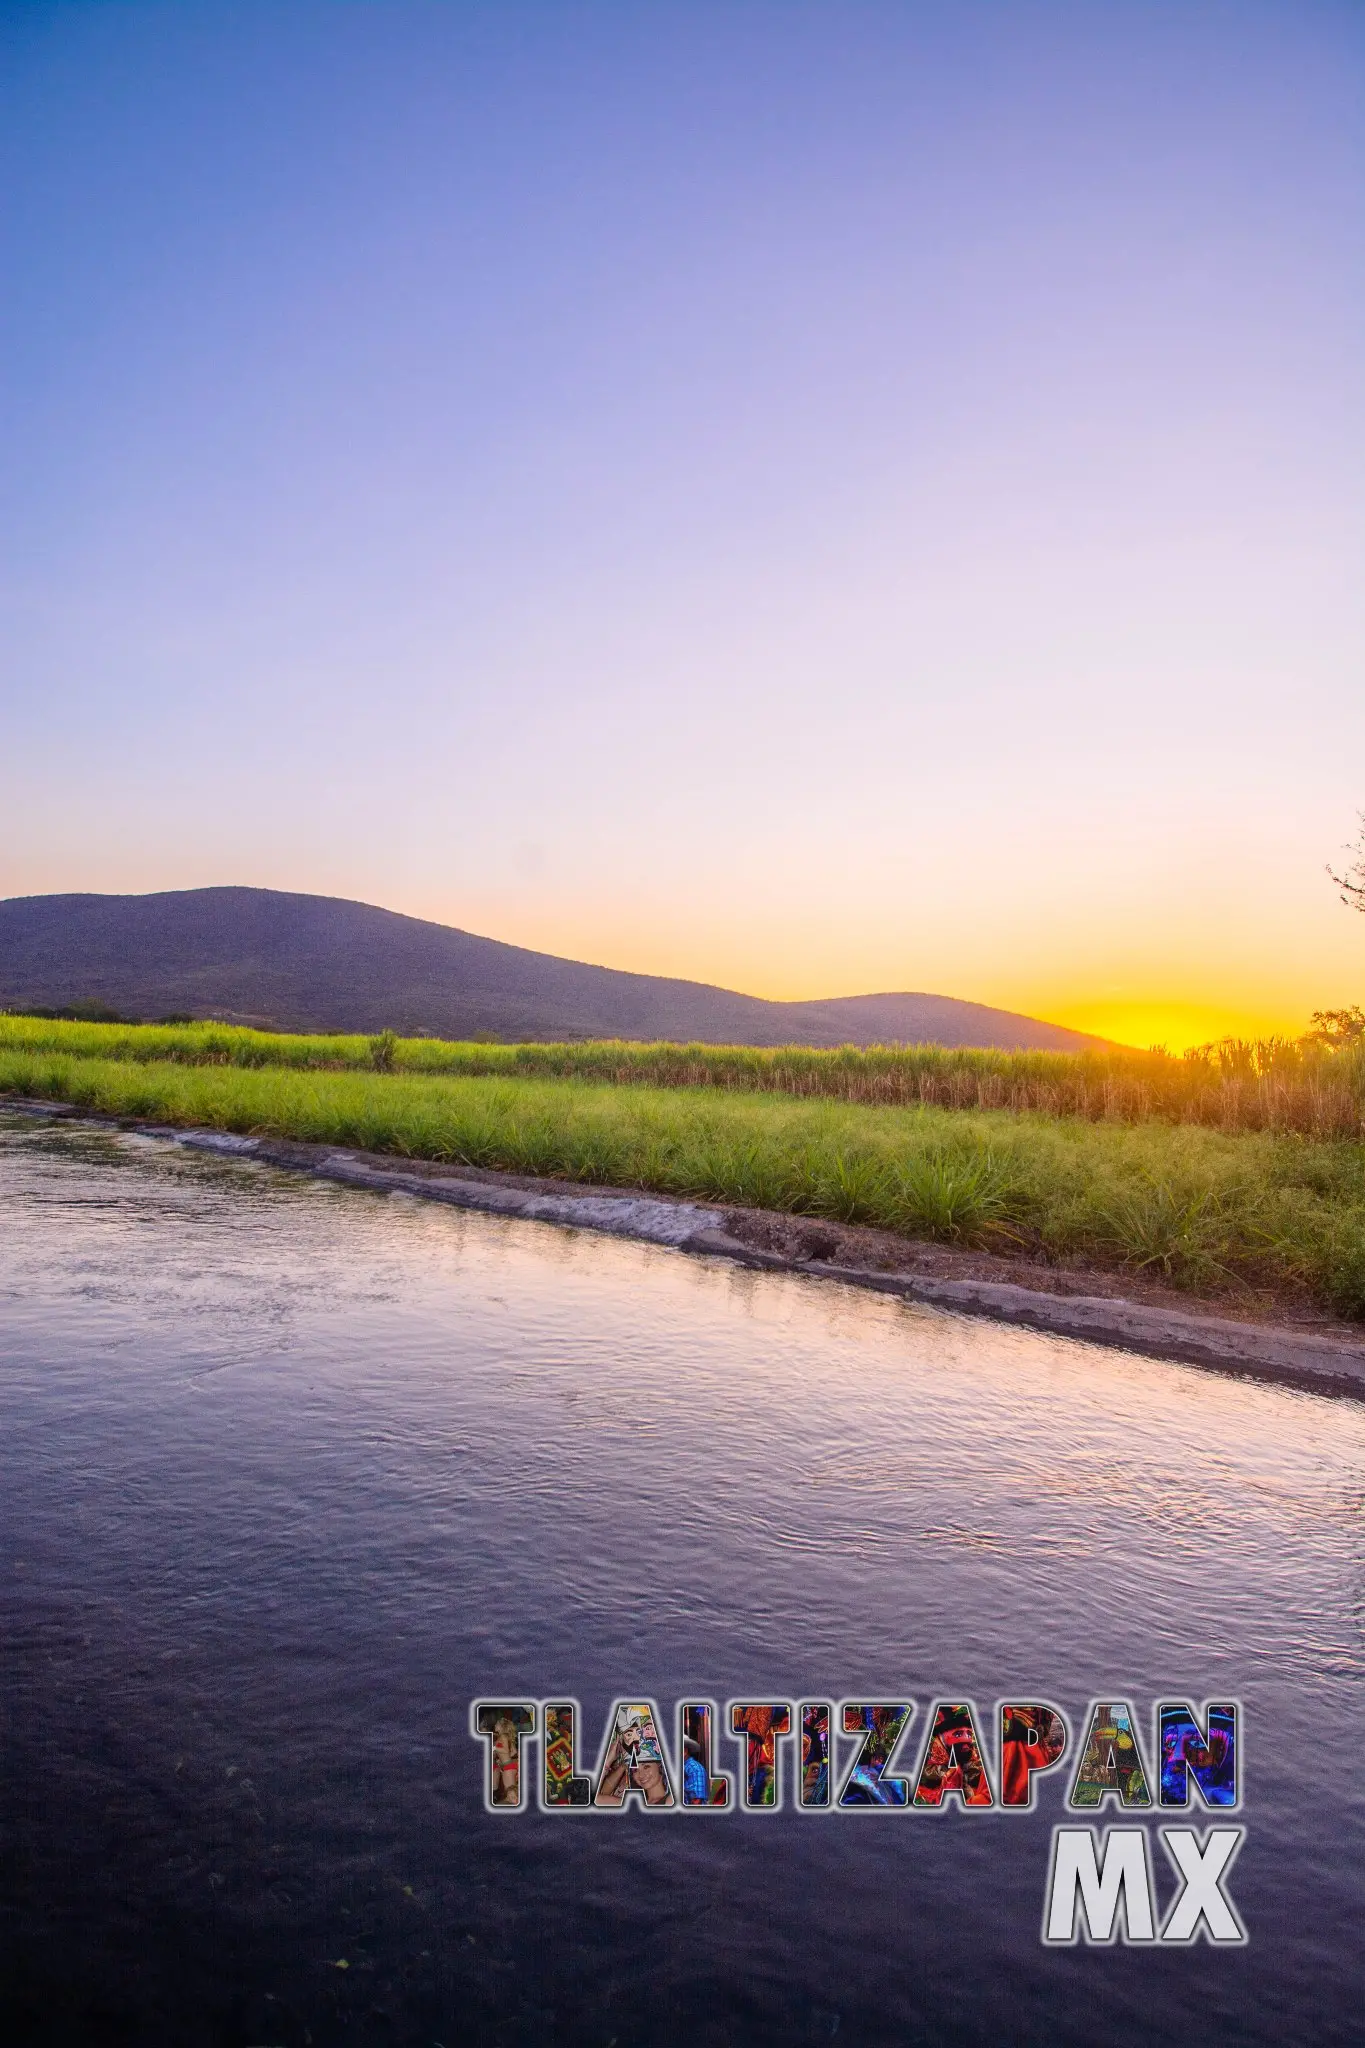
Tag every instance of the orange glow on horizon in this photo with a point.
(1182, 1015)
(1174, 975)
(1175, 1025)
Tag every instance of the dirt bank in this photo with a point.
(1270, 1340)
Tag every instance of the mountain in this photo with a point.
(321, 963)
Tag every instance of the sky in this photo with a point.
(819, 498)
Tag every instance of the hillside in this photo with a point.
(321, 963)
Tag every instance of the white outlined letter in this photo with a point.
(1202, 1901)
(1113, 1891)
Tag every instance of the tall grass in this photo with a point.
(1267, 1084)
(1211, 1210)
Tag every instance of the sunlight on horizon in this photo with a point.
(819, 502)
(1176, 1026)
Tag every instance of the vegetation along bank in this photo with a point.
(1313, 1085)
(1223, 1207)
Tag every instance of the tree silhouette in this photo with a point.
(1352, 883)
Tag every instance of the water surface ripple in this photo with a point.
(290, 1472)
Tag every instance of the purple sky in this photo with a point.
(815, 497)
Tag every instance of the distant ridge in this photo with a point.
(322, 963)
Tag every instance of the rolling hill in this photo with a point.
(322, 963)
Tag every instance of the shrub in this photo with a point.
(383, 1051)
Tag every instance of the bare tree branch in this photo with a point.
(1352, 883)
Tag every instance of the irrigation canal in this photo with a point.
(291, 1472)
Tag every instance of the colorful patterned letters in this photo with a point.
(953, 1761)
(881, 1724)
(1032, 1738)
(634, 1761)
(1111, 1761)
(815, 1754)
(563, 1784)
(702, 1783)
(760, 1723)
(1209, 1757)
(504, 1726)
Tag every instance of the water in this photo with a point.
(289, 1473)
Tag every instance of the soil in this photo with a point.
(1284, 1330)
(808, 1240)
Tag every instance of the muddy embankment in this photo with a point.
(1096, 1307)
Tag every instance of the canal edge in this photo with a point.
(1246, 1350)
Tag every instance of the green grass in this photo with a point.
(1239, 1085)
(1209, 1210)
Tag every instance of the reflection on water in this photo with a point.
(288, 1473)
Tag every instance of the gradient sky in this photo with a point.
(818, 498)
